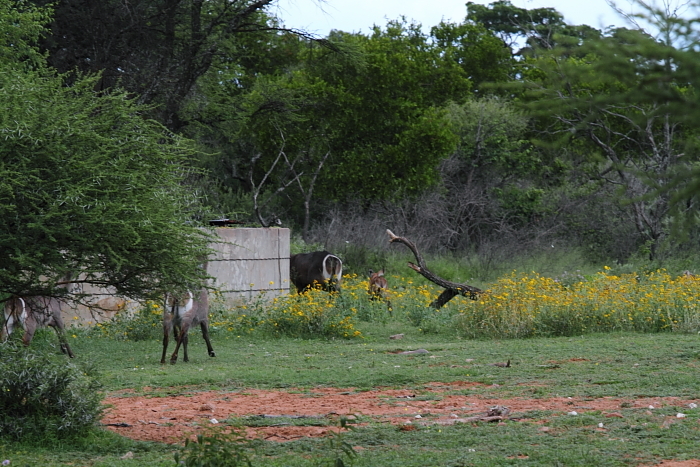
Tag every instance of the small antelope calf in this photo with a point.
(179, 315)
(34, 313)
(378, 288)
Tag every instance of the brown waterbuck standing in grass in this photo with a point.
(180, 314)
(378, 288)
(319, 268)
(33, 313)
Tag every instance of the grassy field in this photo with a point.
(592, 365)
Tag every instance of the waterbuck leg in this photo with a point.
(165, 347)
(180, 339)
(65, 348)
(173, 357)
(167, 328)
(28, 335)
(8, 325)
(60, 329)
(205, 334)
(185, 338)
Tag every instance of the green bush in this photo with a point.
(145, 323)
(243, 319)
(313, 314)
(215, 449)
(45, 396)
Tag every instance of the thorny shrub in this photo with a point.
(44, 396)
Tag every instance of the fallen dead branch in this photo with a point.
(452, 289)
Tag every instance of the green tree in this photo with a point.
(21, 26)
(156, 49)
(530, 30)
(484, 57)
(87, 185)
(388, 132)
(488, 184)
(624, 102)
(370, 107)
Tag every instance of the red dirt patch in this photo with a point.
(690, 463)
(170, 419)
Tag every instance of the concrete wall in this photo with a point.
(248, 263)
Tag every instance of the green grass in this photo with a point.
(624, 365)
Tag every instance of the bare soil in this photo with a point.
(173, 418)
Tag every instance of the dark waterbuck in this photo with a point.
(316, 269)
(378, 288)
(33, 313)
(180, 314)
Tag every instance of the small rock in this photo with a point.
(214, 421)
(128, 455)
(498, 410)
(680, 415)
(206, 407)
(411, 352)
(396, 336)
(693, 405)
(613, 415)
(573, 412)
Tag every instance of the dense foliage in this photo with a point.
(88, 185)
(43, 397)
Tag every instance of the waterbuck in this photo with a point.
(319, 268)
(378, 288)
(33, 313)
(180, 314)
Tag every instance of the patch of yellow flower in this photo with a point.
(520, 305)
(314, 313)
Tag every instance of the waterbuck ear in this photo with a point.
(381, 272)
(371, 272)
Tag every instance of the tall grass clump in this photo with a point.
(45, 397)
(526, 305)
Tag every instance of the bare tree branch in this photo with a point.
(452, 289)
